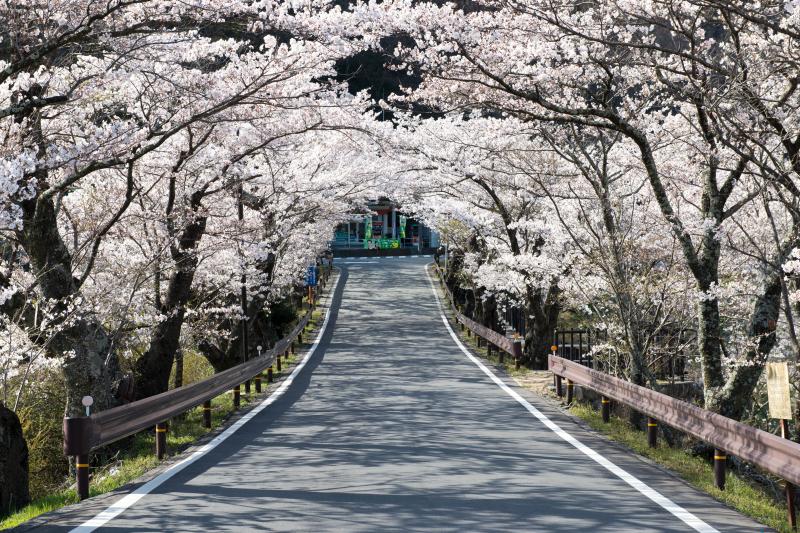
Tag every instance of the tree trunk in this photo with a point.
(153, 368)
(14, 492)
(178, 368)
(90, 364)
(541, 320)
(734, 398)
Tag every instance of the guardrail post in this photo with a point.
(258, 384)
(517, 348)
(489, 349)
(559, 389)
(792, 513)
(237, 397)
(652, 432)
(286, 355)
(247, 387)
(299, 339)
(605, 409)
(207, 414)
(570, 391)
(719, 468)
(161, 440)
(269, 374)
(292, 348)
(77, 436)
(278, 363)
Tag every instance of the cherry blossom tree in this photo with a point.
(684, 83)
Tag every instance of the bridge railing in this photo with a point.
(84, 434)
(777, 455)
(483, 334)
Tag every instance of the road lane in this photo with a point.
(390, 427)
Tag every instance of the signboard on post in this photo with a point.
(367, 231)
(780, 404)
(311, 276)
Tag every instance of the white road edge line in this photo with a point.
(128, 500)
(685, 516)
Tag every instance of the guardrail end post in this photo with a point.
(207, 414)
(258, 384)
(605, 409)
(720, 459)
(790, 508)
(517, 348)
(82, 475)
(559, 389)
(269, 374)
(237, 397)
(570, 391)
(77, 443)
(652, 432)
(161, 440)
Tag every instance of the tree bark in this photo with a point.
(89, 362)
(153, 368)
(733, 399)
(14, 488)
(541, 320)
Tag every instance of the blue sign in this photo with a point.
(311, 276)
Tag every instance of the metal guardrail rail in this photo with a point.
(772, 453)
(493, 338)
(85, 434)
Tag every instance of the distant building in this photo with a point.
(388, 228)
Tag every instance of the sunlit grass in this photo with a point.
(739, 493)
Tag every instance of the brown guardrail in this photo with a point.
(493, 338)
(772, 453)
(85, 434)
(777, 455)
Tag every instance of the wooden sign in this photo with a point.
(780, 404)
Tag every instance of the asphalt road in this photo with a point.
(390, 427)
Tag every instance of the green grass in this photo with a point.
(140, 456)
(739, 493)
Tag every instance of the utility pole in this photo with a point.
(243, 320)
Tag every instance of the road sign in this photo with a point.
(311, 276)
(780, 405)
